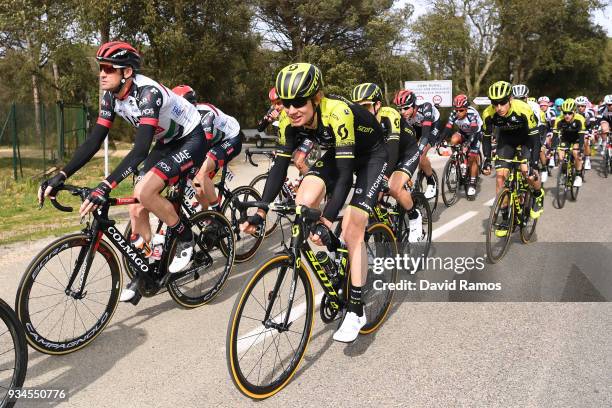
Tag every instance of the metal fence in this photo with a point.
(31, 145)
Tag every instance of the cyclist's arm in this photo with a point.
(426, 125)
(534, 135)
(393, 145)
(449, 127)
(345, 158)
(487, 128)
(142, 143)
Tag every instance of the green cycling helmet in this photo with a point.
(299, 80)
(367, 92)
(500, 90)
(569, 105)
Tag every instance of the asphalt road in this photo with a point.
(541, 341)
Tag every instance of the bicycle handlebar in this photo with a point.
(82, 192)
(250, 151)
(309, 214)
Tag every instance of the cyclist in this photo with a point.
(571, 127)
(550, 142)
(557, 107)
(356, 143)
(516, 125)
(225, 140)
(157, 114)
(276, 108)
(401, 145)
(583, 108)
(521, 92)
(469, 128)
(424, 118)
(604, 116)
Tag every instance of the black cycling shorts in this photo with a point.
(179, 158)
(369, 172)
(409, 159)
(569, 139)
(223, 152)
(507, 149)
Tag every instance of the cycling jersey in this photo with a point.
(536, 111)
(150, 103)
(408, 150)
(517, 128)
(603, 113)
(157, 114)
(550, 117)
(217, 125)
(470, 124)
(351, 132)
(571, 132)
(590, 117)
(389, 119)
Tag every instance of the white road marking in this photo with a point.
(490, 202)
(443, 229)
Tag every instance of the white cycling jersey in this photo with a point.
(217, 125)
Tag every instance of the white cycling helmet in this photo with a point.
(582, 101)
(544, 100)
(520, 91)
(608, 100)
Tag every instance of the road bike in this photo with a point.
(456, 173)
(70, 291)
(511, 209)
(565, 178)
(271, 322)
(13, 355)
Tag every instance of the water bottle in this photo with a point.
(158, 245)
(328, 265)
(140, 244)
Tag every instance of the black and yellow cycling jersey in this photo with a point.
(572, 131)
(389, 119)
(353, 136)
(518, 124)
(519, 127)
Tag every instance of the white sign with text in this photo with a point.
(435, 92)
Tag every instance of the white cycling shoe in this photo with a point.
(182, 257)
(578, 181)
(430, 191)
(587, 163)
(544, 176)
(349, 330)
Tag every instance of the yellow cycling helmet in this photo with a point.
(531, 100)
(569, 105)
(500, 90)
(367, 92)
(300, 80)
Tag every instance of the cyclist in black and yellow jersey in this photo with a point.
(571, 129)
(356, 144)
(517, 126)
(401, 145)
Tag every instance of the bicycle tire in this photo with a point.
(561, 188)
(237, 365)
(450, 183)
(421, 248)
(494, 217)
(528, 224)
(19, 346)
(34, 272)
(217, 234)
(606, 163)
(574, 190)
(250, 242)
(272, 218)
(376, 311)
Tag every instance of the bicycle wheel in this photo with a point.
(246, 244)
(606, 163)
(422, 183)
(261, 358)
(380, 243)
(272, 218)
(561, 187)
(13, 354)
(450, 182)
(574, 190)
(497, 244)
(528, 224)
(213, 258)
(45, 309)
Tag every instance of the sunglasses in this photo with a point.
(460, 110)
(404, 108)
(500, 102)
(568, 113)
(296, 102)
(108, 69)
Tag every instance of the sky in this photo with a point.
(601, 17)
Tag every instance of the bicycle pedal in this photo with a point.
(136, 299)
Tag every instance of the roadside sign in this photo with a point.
(436, 92)
(482, 100)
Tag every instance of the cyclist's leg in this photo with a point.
(370, 172)
(184, 161)
(406, 168)
(317, 181)
(474, 165)
(205, 188)
(504, 151)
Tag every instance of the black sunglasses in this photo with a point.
(500, 102)
(296, 102)
(108, 69)
(568, 113)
